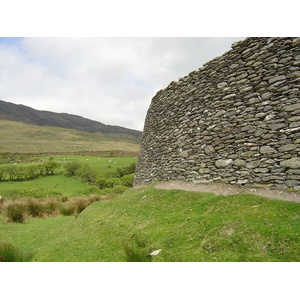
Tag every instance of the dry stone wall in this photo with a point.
(235, 120)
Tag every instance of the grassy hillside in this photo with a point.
(25, 138)
(22, 113)
(186, 226)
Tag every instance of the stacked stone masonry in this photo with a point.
(235, 120)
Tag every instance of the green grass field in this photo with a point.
(186, 226)
(60, 183)
(97, 162)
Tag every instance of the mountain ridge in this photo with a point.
(26, 114)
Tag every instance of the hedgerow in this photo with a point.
(23, 172)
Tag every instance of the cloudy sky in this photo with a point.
(111, 80)
(105, 60)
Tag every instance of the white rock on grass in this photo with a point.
(155, 252)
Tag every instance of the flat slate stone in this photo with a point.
(293, 163)
(288, 147)
(223, 163)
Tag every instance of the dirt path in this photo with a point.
(227, 189)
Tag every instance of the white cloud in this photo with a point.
(111, 80)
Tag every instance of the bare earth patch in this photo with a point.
(227, 189)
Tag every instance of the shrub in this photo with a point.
(50, 167)
(103, 182)
(73, 207)
(134, 253)
(86, 174)
(33, 171)
(35, 208)
(11, 253)
(94, 198)
(67, 209)
(119, 189)
(64, 198)
(71, 167)
(80, 204)
(126, 170)
(127, 180)
(51, 206)
(14, 211)
(92, 190)
(76, 205)
(3, 171)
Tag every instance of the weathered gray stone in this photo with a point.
(240, 163)
(276, 126)
(277, 78)
(242, 181)
(222, 85)
(229, 96)
(294, 119)
(203, 170)
(293, 163)
(294, 171)
(292, 107)
(269, 117)
(260, 170)
(288, 147)
(246, 89)
(183, 153)
(260, 132)
(209, 150)
(248, 153)
(223, 163)
(266, 95)
(291, 183)
(294, 124)
(267, 150)
(234, 66)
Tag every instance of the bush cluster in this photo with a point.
(19, 209)
(109, 182)
(23, 172)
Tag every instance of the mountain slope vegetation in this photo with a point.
(27, 138)
(22, 113)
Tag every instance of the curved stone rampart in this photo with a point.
(235, 120)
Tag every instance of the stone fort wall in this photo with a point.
(235, 120)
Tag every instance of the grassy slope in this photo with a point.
(25, 138)
(187, 226)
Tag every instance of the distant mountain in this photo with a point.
(22, 113)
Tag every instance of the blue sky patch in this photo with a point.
(9, 40)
